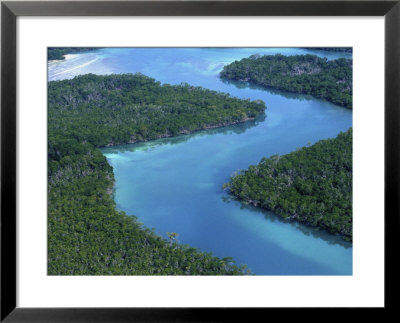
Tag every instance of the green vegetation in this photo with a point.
(312, 185)
(86, 234)
(59, 52)
(111, 110)
(305, 74)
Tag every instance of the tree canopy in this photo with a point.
(306, 74)
(110, 110)
(312, 185)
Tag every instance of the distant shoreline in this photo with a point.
(59, 53)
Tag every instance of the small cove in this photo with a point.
(174, 184)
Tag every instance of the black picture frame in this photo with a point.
(10, 10)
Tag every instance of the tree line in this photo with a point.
(330, 80)
(312, 185)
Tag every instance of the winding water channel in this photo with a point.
(174, 184)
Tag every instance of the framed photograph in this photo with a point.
(186, 160)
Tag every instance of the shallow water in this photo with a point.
(174, 184)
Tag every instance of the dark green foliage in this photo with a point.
(305, 74)
(312, 185)
(109, 110)
(59, 52)
(86, 234)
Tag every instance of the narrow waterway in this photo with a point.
(174, 184)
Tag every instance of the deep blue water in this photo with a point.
(174, 184)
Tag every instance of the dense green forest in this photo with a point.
(57, 53)
(86, 234)
(306, 74)
(110, 110)
(312, 185)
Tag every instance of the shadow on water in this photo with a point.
(238, 128)
(305, 229)
(285, 94)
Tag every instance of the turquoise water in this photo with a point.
(174, 184)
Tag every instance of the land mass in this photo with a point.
(86, 234)
(312, 185)
(330, 80)
(58, 53)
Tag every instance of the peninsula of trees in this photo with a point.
(119, 109)
(305, 74)
(57, 53)
(86, 234)
(312, 185)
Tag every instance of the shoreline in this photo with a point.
(182, 132)
(249, 81)
(290, 218)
